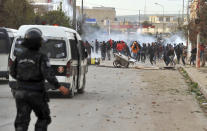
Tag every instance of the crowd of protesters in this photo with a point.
(154, 51)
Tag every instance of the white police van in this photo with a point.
(6, 37)
(66, 51)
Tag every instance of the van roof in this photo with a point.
(10, 31)
(48, 31)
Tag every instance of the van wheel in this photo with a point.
(82, 90)
(72, 92)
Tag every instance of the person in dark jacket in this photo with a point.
(97, 46)
(108, 50)
(31, 68)
(152, 53)
(193, 56)
(143, 52)
(178, 52)
(139, 52)
(103, 50)
(88, 48)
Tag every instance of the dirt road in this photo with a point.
(122, 100)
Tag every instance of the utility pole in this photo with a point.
(188, 33)
(82, 12)
(198, 38)
(139, 19)
(183, 12)
(109, 26)
(145, 8)
(82, 17)
(74, 15)
(188, 19)
(163, 15)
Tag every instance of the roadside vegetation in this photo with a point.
(195, 90)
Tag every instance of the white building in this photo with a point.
(42, 6)
(166, 24)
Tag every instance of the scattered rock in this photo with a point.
(153, 103)
(108, 120)
(196, 112)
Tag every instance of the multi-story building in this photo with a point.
(161, 19)
(163, 24)
(102, 15)
(42, 6)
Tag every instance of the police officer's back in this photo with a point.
(30, 69)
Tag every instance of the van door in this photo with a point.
(75, 61)
(79, 74)
(4, 52)
(83, 66)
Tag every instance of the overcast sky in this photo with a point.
(131, 7)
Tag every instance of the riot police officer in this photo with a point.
(30, 69)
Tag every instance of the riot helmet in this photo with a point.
(33, 39)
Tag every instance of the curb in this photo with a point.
(201, 86)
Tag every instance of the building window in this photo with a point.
(168, 19)
(160, 18)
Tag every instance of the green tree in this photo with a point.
(16, 13)
(146, 23)
(55, 17)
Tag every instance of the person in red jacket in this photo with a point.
(119, 47)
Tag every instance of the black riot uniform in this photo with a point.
(30, 69)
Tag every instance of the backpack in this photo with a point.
(29, 68)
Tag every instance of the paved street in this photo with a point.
(120, 100)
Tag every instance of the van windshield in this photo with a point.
(4, 43)
(55, 49)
